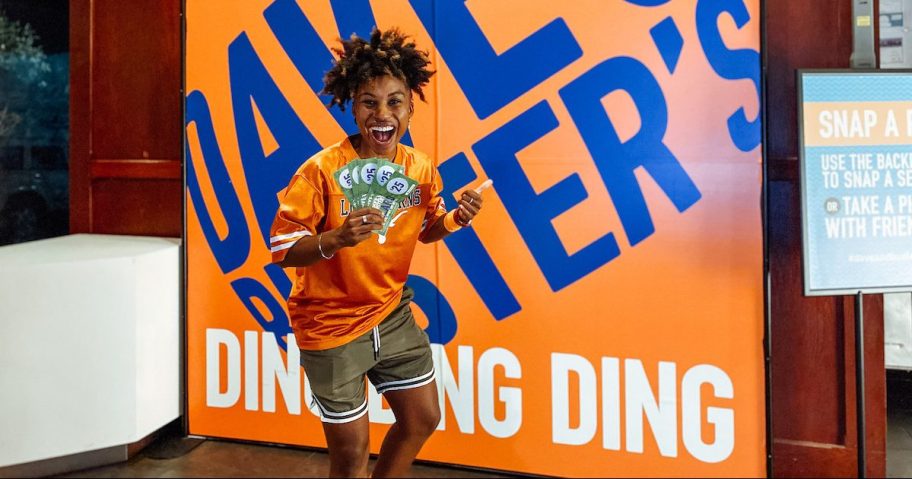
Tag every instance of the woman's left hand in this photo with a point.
(469, 206)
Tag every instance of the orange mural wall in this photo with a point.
(604, 314)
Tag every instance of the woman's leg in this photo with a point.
(349, 447)
(417, 415)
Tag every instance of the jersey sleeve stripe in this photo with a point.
(296, 234)
(283, 246)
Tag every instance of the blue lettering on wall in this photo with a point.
(468, 250)
(533, 212)
(668, 40)
(247, 289)
(648, 3)
(491, 81)
(306, 51)
(442, 325)
(279, 279)
(310, 55)
(731, 64)
(230, 252)
(616, 160)
(353, 17)
(251, 83)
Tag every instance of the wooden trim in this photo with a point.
(807, 459)
(158, 169)
(876, 10)
(80, 115)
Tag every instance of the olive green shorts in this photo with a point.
(395, 355)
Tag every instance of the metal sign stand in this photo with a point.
(860, 384)
(863, 56)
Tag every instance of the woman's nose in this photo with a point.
(383, 112)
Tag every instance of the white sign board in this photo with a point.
(856, 181)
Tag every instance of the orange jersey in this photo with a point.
(336, 300)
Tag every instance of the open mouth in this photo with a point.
(382, 134)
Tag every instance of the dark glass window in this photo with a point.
(34, 119)
(49, 157)
(12, 158)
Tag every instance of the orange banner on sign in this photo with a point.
(857, 123)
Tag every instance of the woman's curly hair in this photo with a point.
(387, 53)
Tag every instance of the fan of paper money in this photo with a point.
(375, 183)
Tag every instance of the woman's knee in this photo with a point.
(422, 422)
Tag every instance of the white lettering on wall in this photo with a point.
(629, 410)
(723, 419)
(215, 339)
(561, 367)
(656, 401)
(461, 392)
(510, 396)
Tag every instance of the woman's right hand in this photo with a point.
(357, 227)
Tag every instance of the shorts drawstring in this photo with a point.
(376, 340)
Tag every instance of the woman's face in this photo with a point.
(382, 107)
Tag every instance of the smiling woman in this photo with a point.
(350, 309)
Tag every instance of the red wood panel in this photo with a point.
(80, 115)
(812, 355)
(805, 34)
(137, 169)
(807, 459)
(126, 117)
(136, 79)
(137, 207)
(808, 336)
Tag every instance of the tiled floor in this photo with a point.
(169, 457)
(215, 458)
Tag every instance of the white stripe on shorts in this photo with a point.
(407, 383)
(341, 417)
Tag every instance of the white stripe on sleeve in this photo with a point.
(296, 234)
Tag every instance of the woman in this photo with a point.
(349, 307)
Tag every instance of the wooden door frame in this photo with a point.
(789, 455)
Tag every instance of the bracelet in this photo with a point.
(320, 247)
(457, 219)
(450, 223)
